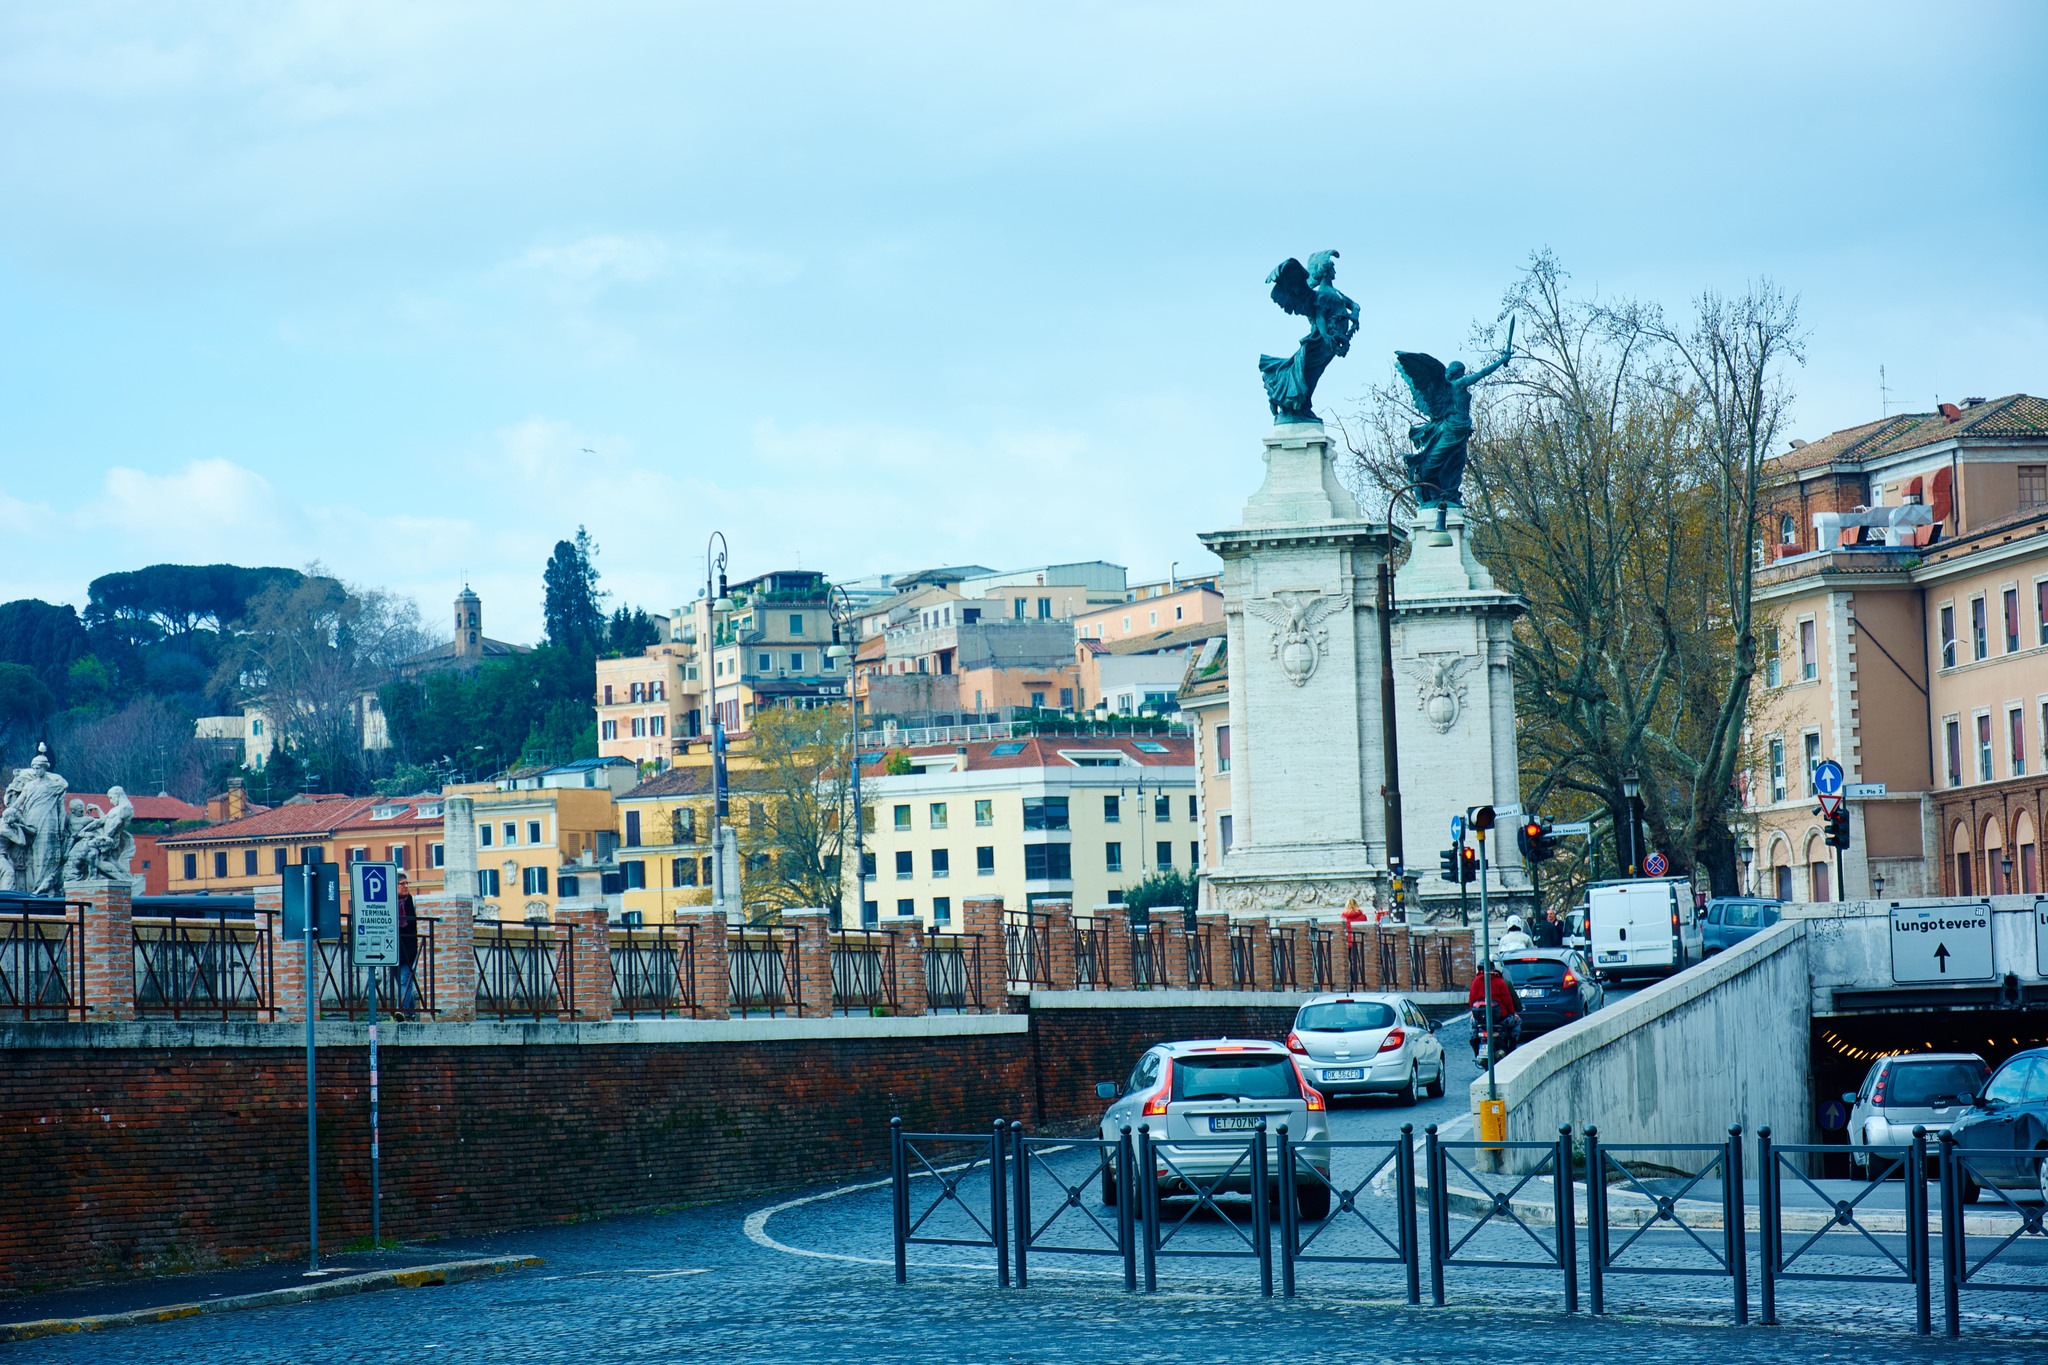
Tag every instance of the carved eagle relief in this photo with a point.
(1299, 638)
(1439, 687)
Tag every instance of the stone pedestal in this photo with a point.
(1307, 768)
(587, 926)
(454, 956)
(1455, 709)
(109, 930)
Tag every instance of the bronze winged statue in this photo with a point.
(1444, 395)
(1307, 291)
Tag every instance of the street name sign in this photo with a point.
(1857, 791)
(1573, 827)
(1941, 942)
(375, 913)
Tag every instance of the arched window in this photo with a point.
(1817, 868)
(2026, 855)
(1788, 530)
(1959, 847)
(1994, 858)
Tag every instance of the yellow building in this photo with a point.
(535, 824)
(665, 830)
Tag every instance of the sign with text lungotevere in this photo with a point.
(1941, 943)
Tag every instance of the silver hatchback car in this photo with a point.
(1220, 1088)
(1928, 1089)
(1368, 1044)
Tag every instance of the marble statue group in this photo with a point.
(46, 843)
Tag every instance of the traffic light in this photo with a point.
(1468, 864)
(1534, 837)
(1447, 864)
(1838, 828)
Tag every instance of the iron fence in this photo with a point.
(42, 958)
(1027, 947)
(763, 971)
(205, 966)
(863, 970)
(1493, 1201)
(1148, 958)
(1390, 963)
(912, 1156)
(1424, 965)
(524, 971)
(654, 971)
(1962, 1168)
(1070, 1216)
(1283, 947)
(1722, 1164)
(1331, 1204)
(1322, 959)
(1163, 1164)
(1091, 954)
(1200, 962)
(1244, 958)
(1776, 1162)
(952, 972)
(1356, 977)
(340, 980)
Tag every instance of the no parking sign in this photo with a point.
(1656, 865)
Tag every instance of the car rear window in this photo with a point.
(1535, 971)
(1744, 914)
(1255, 1076)
(1924, 1083)
(1345, 1016)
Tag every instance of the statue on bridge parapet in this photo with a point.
(1444, 394)
(1307, 291)
(44, 843)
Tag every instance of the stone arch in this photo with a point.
(2026, 854)
(1993, 844)
(1819, 868)
(1960, 860)
(1778, 861)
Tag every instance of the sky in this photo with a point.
(415, 289)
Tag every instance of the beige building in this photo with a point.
(1078, 818)
(645, 701)
(1205, 705)
(535, 824)
(1914, 655)
(1191, 604)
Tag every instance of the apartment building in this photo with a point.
(532, 824)
(1134, 673)
(1904, 629)
(1204, 698)
(1080, 818)
(248, 850)
(646, 701)
(1196, 603)
(665, 829)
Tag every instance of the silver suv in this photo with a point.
(1220, 1088)
(1931, 1089)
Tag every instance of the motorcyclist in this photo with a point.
(1516, 939)
(1507, 1006)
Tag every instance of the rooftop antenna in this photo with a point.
(1884, 395)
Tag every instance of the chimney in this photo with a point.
(238, 798)
(1951, 413)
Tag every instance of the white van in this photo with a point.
(1643, 927)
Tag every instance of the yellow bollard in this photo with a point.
(1493, 1120)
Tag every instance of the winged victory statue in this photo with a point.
(1307, 291)
(1444, 395)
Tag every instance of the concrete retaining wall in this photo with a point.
(1724, 1042)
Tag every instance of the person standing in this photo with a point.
(408, 948)
(1550, 932)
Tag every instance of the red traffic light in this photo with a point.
(1534, 829)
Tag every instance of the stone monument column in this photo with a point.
(1307, 767)
(1455, 712)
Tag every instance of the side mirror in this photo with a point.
(1979, 1102)
(1849, 1098)
(1107, 1090)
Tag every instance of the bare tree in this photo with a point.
(792, 850)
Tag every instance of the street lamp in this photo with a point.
(1877, 885)
(843, 617)
(1748, 853)
(721, 805)
(1631, 789)
(2005, 867)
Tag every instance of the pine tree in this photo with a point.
(571, 610)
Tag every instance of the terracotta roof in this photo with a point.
(147, 807)
(321, 817)
(1204, 682)
(695, 781)
(1155, 641)
(2016, 416)
(1043, 751)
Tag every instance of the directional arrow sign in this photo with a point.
(1941, 942)
(1827, 777)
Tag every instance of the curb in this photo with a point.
(413, 1277)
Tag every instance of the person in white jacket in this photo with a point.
(1517, 937)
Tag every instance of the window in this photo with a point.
(942, 862)
(1127, 625)
(1773, 668)
(396, 856)
(1045, 609)
(906, 906)
(2033, 485)
(313, 854)
(942, 909)
(355, 855)
(1038, 701)
(1223, 831)
(903, 817)
(984, 812)
(1788, 530)
(867, 819)
(985, 861)
(483, 835)
(632, 830)
(1979, 646)
(1008, 749)
(1045, 812)
(633, 693)
(682, 823)
(249, 855)
(277, 859)
(1954, 728)
(1066, 698)
(1809, 664)
(796, 661)
(657, 726)
(867, 863)
(938, 815)
(1112, 810)
(1194, 853)
(607, 694)
(1017, 607)
(1165, 854)
(2011, 602)
(1162, 808)
(1984, 747)
(1154, 619)
(1113, 857)
(1048, 862)
(709, 873)
(904, 871)
(764, 662)
(796, 623)
(191, 867)
(511, 833)
(256, 727)
(487, 881)
(1149, 746)
(2016, 736)
(533, 881)
(1223, 748)
(635, 873)
(828, 663)
(682, 872)
(437, 855)
(1777, 770)
(1948, 637)
(1812, 743)
(1193, 817)
(1176, 613)
(2041, 610)
(607, 729)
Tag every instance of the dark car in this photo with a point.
(1731, 919)
(2005, 1132)
(1555, 985)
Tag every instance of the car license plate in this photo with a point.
(1614, 957)
(1224, 1123)
(1349, 1073)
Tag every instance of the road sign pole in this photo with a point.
(310, 908)
(1486, 968)
(376, 1194)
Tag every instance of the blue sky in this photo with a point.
(415, 288)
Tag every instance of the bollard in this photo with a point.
(1262, 1210)
(1404, 1183)
(1439, 1216)
(1738, 1237)
(1916, 1244)
(899, 1191)
(1767, 1225)
(1596, 1218)
(1290, 1215)
(1127, 1214)
(1567, 1232)
(1953, 1254)
(1020, 1173)
(998, 1205)
(1149, 1185)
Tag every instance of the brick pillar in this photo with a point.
(1173, 952)
(908, 938)
(1215, 926)
(1117, 958)
(1464, 958)
(287, 957)
(712, 954)
(814, 959)
(1059, 929)
(984, 918)
(453, 964)
(587, 927)
(1397, 934)
(109, 931)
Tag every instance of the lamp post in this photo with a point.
(2005, 868)
(1877, 885)
(714, 603)
(1748, 853)
(1397, 853)
(1631, 790)
(843, 617)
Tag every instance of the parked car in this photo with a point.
(1731, 919)
(1643, 926)
(1220, 1088)
(1930, 1089)
(1555, 985)
(1575, 929)
(1367, 1045)
(2004, 1132)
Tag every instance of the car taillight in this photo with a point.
(1570, 981)
(1309, 1093)
(1155, 1103)
(1393, 1040)
(1294, 1043)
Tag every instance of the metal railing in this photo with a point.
(1091, 954)
(1776, 1162)
(1356, 977)
(1148, 958)
(952, 972)
(1496, 1201)
(1111, 1173)
(763, 971)
(1962, 1168)
(1027, 947)
(1284, 947)
(1331, 1204)
(1728, 1260)
(1390, 963)
(863, 970)
(1201, 971)
(1425, 965)
(654, 971)
(42, 958)
(341, 980)
(1244, 958)
(1322, 959)
(524, 970)
(205, 966)
(958, 1164)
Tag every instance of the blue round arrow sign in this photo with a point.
(1827, 777)
(1834, 1115)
